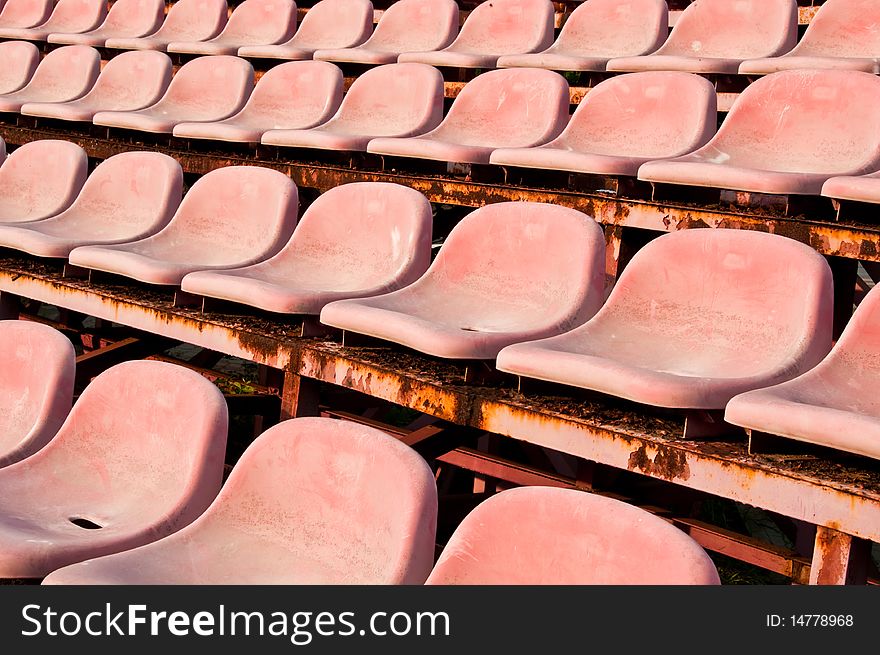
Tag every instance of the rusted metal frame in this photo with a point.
(845, 275)
(10, 306)
(839, 558)
(300, 396)
(95, 361)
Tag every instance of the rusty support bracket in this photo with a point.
(299, 396)
(75, 272)
(93, 362)
(839, 558)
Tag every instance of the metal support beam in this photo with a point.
(839, 559)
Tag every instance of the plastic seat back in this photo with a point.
(133, 17)
(614, 28)
(64, 74)
(259, 22)
(506, 27)
(74, 16)
(18, 61)
(25, 13)
(842, 28)
(416, 26)
(194, 20)
(210, 87)
(130, 80)
(334, 24)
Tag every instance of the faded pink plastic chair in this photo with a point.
(327, 24)
(834, 404)
(597, 31)
(187, 20)
(41, 179)
(861, 188)
(37, 370)
(624, 122)
(231, 217)
(697, 317)
(126, 18)
(253, 22)
(25, 13)
(129, 81)
(515, 108)
(64, 74)
(296, 95)
(550, 536)
(356, 240)
(843, 34)
(129, 196)
(336, 503)
(787, 133)
(69, 16)
(406, 26)
(508, 272)
(716, 36)
(18, 61)
(139, 457)
(389, 100)
(205, 89)
(494, 28)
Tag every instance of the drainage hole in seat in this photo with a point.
(85, 523)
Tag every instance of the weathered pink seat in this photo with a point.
(406, 26)
(129, 196)
(599, 30)
(126, 18)
(843, 34)
(69, 16)
(624, 122)
(25, 13)
(294, 95)
(494, 28)
(187, 21)
(787, 133)
(129, 81)
(861, 188)
(508, 272)
(515, 108)
(231, 217)
(327, 24)
(834, 404)
(63, 74)
(18, 61)
(205, 89)
(37, 368)
(41, 179)
(697, 317)
(551, 536)
(253, 22)
(389, 100)
(311, 501)
(356, 240)
(139, 457)
(716, 36)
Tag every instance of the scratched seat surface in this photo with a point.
(597, 31)
(624, 122)
(18, 61)
(139, 457)
(125, 19)
(37, 366)
(508, 272)
(356, 240)
(697, 317)
(69, 16)
(64, 74)
(207, 231)
(187, 21)
(311, 501)
(551, 536)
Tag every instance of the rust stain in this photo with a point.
(668, 464)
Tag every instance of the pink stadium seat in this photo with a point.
(129, 196)
(494, 28)
(36, 387)
(187, 20)
(139, 457)
(253, 22)
(18, 61)
(551, 536)
(231, 217)
(295, 95)
(68, 16)
(787, 133)
(63, 74)
(599, 30)
(697, 317)
(516, 108)
(406, 26)
(843, 34)
(508, 272)
(328, 24)
(716, 36)
(861, 188)
(389, 100)
(834, 404)
(205, 89)
(41, 179)
(25, 13)
(356, 240)
(129, 81)
(126, 18)
(311, 501)
(624, 122)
